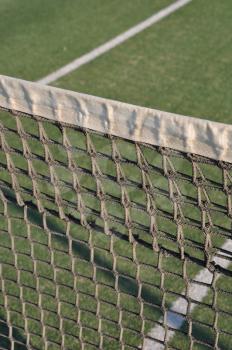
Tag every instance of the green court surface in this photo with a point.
(183, 65)
(39, 36)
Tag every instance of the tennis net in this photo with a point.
(115, 225)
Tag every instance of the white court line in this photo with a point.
(100, 50)
(196, 292)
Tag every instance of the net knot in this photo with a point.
(117, 158)
(205, 205)
(129, 224)
(164, 151)
(171, 174)
(212, 267)
(207, 227)
(199, 181)
(224, 165)
(144, 167)
(228, 189)
(152, 210)
(126, 203)
(176, 197)
(179, 219)
(14, 112)
(101, 195)
(148, 188)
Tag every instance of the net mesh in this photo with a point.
(111, 244)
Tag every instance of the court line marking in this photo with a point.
(196, 291)
(119, 39)
(176, 314)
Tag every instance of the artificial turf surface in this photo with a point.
(181, 64)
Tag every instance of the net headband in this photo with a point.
(186, 134)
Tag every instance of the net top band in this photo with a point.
(186, 134)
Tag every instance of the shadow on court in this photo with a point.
(17, 335)
(126, 285)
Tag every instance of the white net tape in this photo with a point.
(115, 225)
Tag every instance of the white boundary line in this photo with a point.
(196, 292)
(100, 50)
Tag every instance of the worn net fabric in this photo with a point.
(111, 244)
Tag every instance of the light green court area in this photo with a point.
(181, 65)
(39, 36)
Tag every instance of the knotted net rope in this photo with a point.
(109, 243)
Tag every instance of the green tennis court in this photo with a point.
(180, 64)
